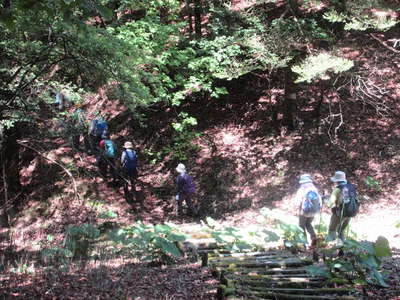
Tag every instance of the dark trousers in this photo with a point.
(76, 141)
(305, 224)
(188, 199)
(107, 166)
(130, 177)
(94, 144)
(337, 226)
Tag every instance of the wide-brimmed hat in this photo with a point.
(305, 178)
(339, 176)
(181, 168)
(128, 145)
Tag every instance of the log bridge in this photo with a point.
(268, 274)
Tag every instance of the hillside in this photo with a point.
(241, 165)
(248, 96)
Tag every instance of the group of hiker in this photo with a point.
(343, 202)
(96, 137)
(97, 142)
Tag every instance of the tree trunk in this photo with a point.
(10, 171)
(289, 107)
(198, 9)
(190, 17)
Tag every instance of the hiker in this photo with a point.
(186, 190)
(97, 128)
(129, 163)
(108, 154)
(345, 206)
(310, 202)
(61, 101)
(78, 125)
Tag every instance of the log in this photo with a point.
(295, 262)
(298, 291)
(283, 296)
(265, 284)
(244, 257)
(261, 270)
(268, 278)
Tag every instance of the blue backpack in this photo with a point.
(99, 126)
(110, 150)
(311, 203)
(130, 162)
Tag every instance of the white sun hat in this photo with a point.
(339, 176)
(181, 168)
(128, 145)
(305, 178)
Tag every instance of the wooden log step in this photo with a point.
(228, 257)
(225, 292)
(256, 254)
(292, 262)
(282, 296)
(262, 270)
(272, 279)
(297, 291)
(267, 285)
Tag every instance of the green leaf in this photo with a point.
(378, 277)
(167, 247)
(176, 237)
(318, 271)
(108, 215)
(105, 12)
(382, 247)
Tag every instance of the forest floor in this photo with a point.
(241, 165)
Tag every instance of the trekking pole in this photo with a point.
(320, 215)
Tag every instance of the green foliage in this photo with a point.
(78, 239)
(151, 243)
(109, 214)
(360, 15)
(373, 184)
(56, 255)
(319, 66)
(360, 263)
(291, 233)
(239, 239)
(182, 141)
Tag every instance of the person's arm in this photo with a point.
(298, 199)
(123, 156)
(334, 199)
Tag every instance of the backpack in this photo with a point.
(130, 162)
(110, 150)
(98, 127)
(350, 203)
(311, 203)
(189, 186)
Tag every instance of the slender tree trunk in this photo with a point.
(190, 17)
(198, 9)
(289, 105)
(10, 170)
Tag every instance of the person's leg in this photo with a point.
(190, 205)
(76, 141)
(310, 230)
(333, 227)
(345, 222)
(179, 203)
(302, 224)
(102, 165)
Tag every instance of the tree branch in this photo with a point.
(22, 143)
(383, 43)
